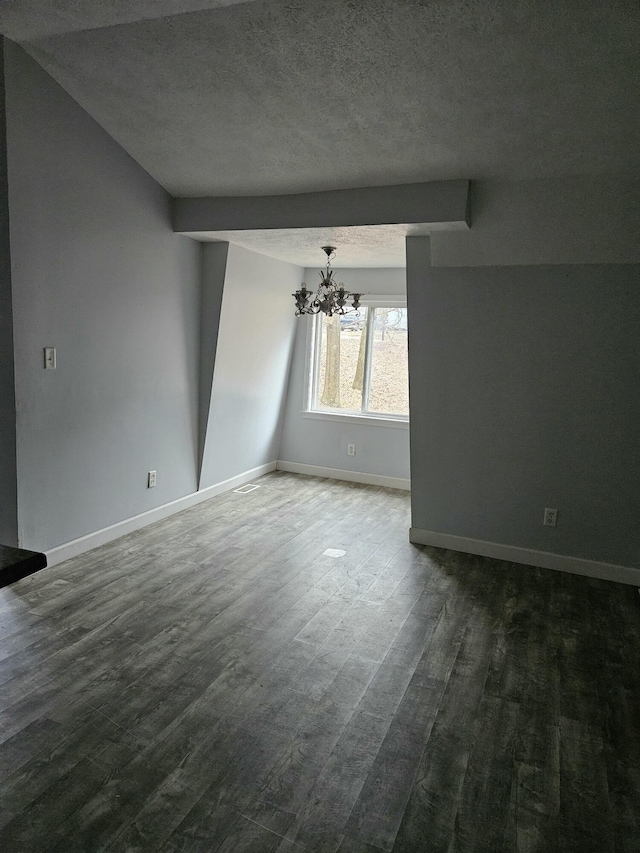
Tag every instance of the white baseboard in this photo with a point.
(343, 474)
(121, 528)
(528, 556)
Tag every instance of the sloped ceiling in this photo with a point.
(282, 96)
(254, 97)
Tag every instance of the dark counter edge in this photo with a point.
(17, 563)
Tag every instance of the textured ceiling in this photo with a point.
(359, 246)
(251, 97)
(280, 96)
(21, 20)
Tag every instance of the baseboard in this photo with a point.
(528, 556)
(107, 534)
(343, 474)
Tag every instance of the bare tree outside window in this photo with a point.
(331, 386)
(358, 379)
(359, 376)
(389, 374)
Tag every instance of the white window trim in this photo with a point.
(353, 418)
(369, 419)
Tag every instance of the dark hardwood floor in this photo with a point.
(217, 683)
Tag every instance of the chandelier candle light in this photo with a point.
(330, 298)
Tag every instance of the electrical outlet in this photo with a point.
(550, 517)
(49, 358)
(152, 480)
(351, 450)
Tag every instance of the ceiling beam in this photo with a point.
(440, 204)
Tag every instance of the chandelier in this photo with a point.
(330, 298)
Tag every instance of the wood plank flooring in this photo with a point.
(216, 682)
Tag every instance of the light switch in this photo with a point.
(49, 358)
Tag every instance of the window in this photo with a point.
(359, 362)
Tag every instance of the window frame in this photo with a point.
(313, 368)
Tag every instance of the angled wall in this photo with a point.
(214, 270)
(100, 275)
(252, 358)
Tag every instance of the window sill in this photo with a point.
(363, 420)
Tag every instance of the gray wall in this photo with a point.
(380, 449)
(525, 394)
(8, 486)
(253, 354)
(99, 274)
(578, 220)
